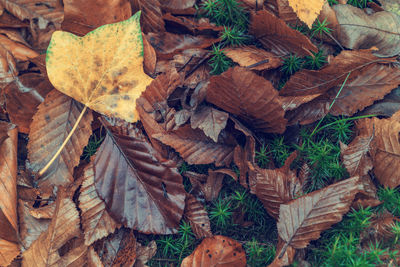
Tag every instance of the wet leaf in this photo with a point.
(95, 220)
(250, 97)
(210, 185)
(145, 253)
(50, 126)
(18, 50)
(355, 156)
(197, 216)
(307, 10)
(279, 38)
(152, 16)
(385, 107)
(103, 69)
(217, 251)
(304, 218)
(139, 187)
(212, 121)
(195, 148)
(8, 69)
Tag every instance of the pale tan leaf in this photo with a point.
(8, 251)
(307, 10)
(253, 58)
(96, 221)
(197, 217)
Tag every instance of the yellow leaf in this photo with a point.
(307, 10)
(103, 69)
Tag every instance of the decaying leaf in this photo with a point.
(210, 120)
(152, 16)
(145, 253)
(279, 38)
(197, 217)
(195, 148)
(18, 50)
(210, 185)
(8, 68)
(355, 156)
(250, 97)
(139, 188)
(288, 256)
(103, 69)
(96, 222)
(307, 10)
(304, 218)
(64, 226)
(51, 124)
(216, 251)
(8, 192)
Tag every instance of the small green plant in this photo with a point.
(259, 254)
(332, 2)
(291, 64)
(391, 199)
(91, 148)
(319, 28)
(233, 36)
(359, 3)
(357, 220)
(279, 150)
(221, 213)
(262, 157)
(168, 245)
(316, 61)
(183, 168)
(340, 129)
(219, 62)
(395, 229)
(225, 12)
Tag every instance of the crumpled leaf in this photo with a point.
(210, 185)
(145, 253)
(8, 191)
(139, 187)
(385, 107)
(103, 69)
(64, 226)
(307, 10)
(357, 30)
(197, 216)
(385, 150)
(96, 222)
(250, 97)
(303, 219)
(217, 251)
(51, 124)
(152, 16)
(195, 148)
(83, 16)
(279, 38)
(22, 98)
(355, 156)
(212, 121)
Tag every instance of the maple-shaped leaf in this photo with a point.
(96, 222)
(141, 190)
(303, 219)
(51, 124)
(278, 37)
(307, 10)
(64, 226)
(8, 193)
(197, 216)
(250, 97)
(355, 156)
(216, 251)
(103, 69)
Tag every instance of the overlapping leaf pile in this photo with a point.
(139, 94)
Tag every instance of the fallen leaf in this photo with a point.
(19, 51)
(279, 38)
(361, 31)
(189, 25)
(8, 191)
(212, 121)
(145, 253)
(177, 4)
(238, 91)
(43, 212)
(95, 220)
(83, 16)
(108, 80)
(303, 219)
(64, 226)
(139, 188)
(8, 69)
(195, 148)
(307, 10)
(288, 256)
(385, 107)
(152, 16)
(355, 156)
(217, 251)
(197, 216)
(379, 229)
(253, 58)
(367, 197)
(283, 10)
(23, 95)
(51, 124)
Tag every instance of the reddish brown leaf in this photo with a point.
(83, 16)
(145, 253)
(139, 187)
(96, 222)
(177, 4)
(8, 69)
(367, 197)
(279, 38)
(50, 126)
(18, 50)
(149, 57)
(151, 20)
(250, 97)
(185, 24)
(217, 251)
(355, 156)
(283, 10)
(23, 96)
(212, 121)
(303, 219)
(253, 58)
(197, 217)
(195, 148)
(287, 257)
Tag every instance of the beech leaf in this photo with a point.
(210, 120)
(197, 216)
(103, 69)
(355, 156)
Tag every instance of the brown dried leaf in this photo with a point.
(253, 58)
(287, 258)
(279, 38)
(96, 222)
(50, 126)
(367, 197)
(149, 57)
(355, 156)
(151, 15)
(18, 50)
(8, 68)
(380, 228)
(276, 187)
(212, 121)
(83, 16)
(303, 219)
(385, 107)
(283, 10)
(189, 25)
(22, 98)
(250, 97)
(197, 217)
(139, 187)
(385, 150)
(195, 148)
(9, 250)
(44, 212)
(217, 251)
(177, 4)
(64, 226)
(145, 253)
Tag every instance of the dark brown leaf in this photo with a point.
(151, 20)
(212, 121)
(139, 187)
(177, 4)
(197, 217)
